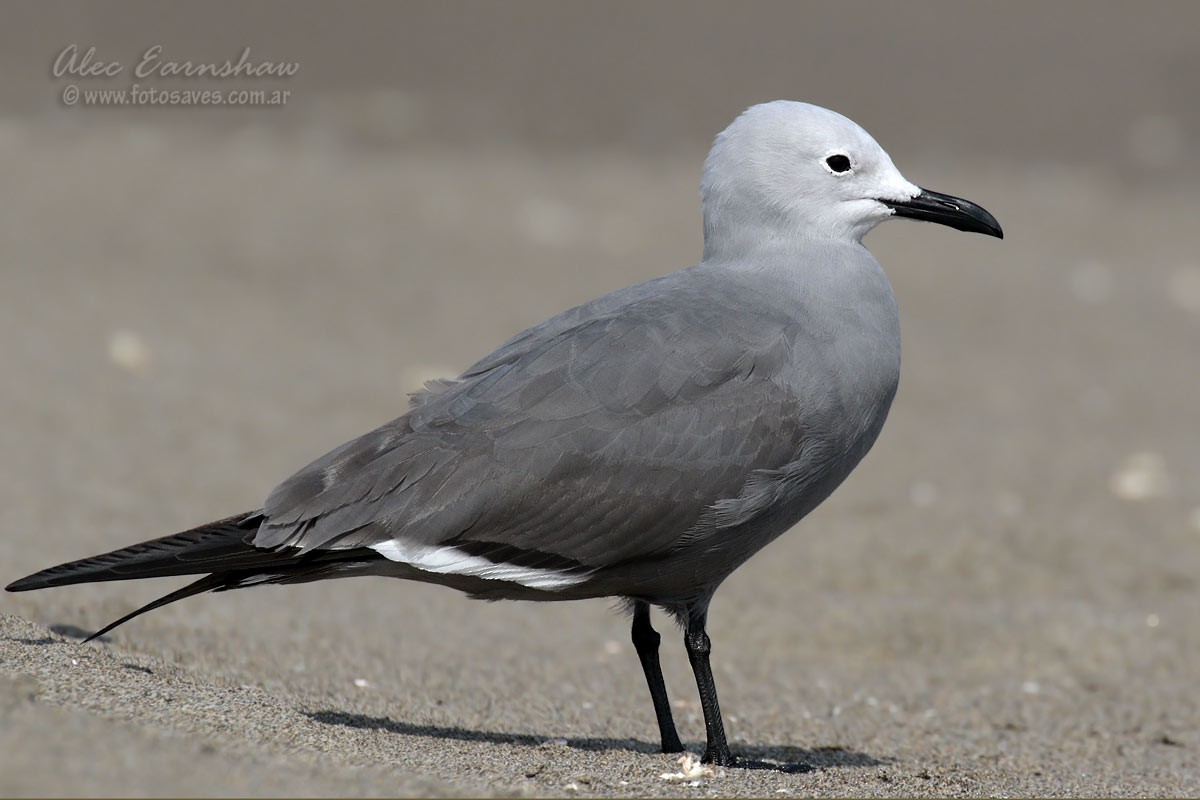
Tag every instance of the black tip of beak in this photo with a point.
(946, 210)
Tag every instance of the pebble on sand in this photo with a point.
(1143, 476)
(690, 769)
(129, 352)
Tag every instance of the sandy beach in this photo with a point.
(1001, 601)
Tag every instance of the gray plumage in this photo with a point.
(656, 437)
(642, 445)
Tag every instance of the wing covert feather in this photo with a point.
(601, 435)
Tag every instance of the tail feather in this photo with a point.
(215, 547)
(207, 583)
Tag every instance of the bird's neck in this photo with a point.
(771, 251)
(746, 236)
(831, 284)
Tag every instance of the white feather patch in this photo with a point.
(449, 560)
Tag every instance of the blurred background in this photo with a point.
(195, 301)
(1098, 84)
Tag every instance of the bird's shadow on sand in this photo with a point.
(65, 631)
(776, 758)
(76, 632)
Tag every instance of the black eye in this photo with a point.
(838, 163)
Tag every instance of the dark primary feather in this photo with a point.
(221, 548)
(218, 545)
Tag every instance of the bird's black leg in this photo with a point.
(698, 648)
(645, 640)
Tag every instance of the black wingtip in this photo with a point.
(25, 584)
(215, 547)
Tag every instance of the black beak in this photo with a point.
(946, 210)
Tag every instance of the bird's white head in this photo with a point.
(785, 171)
